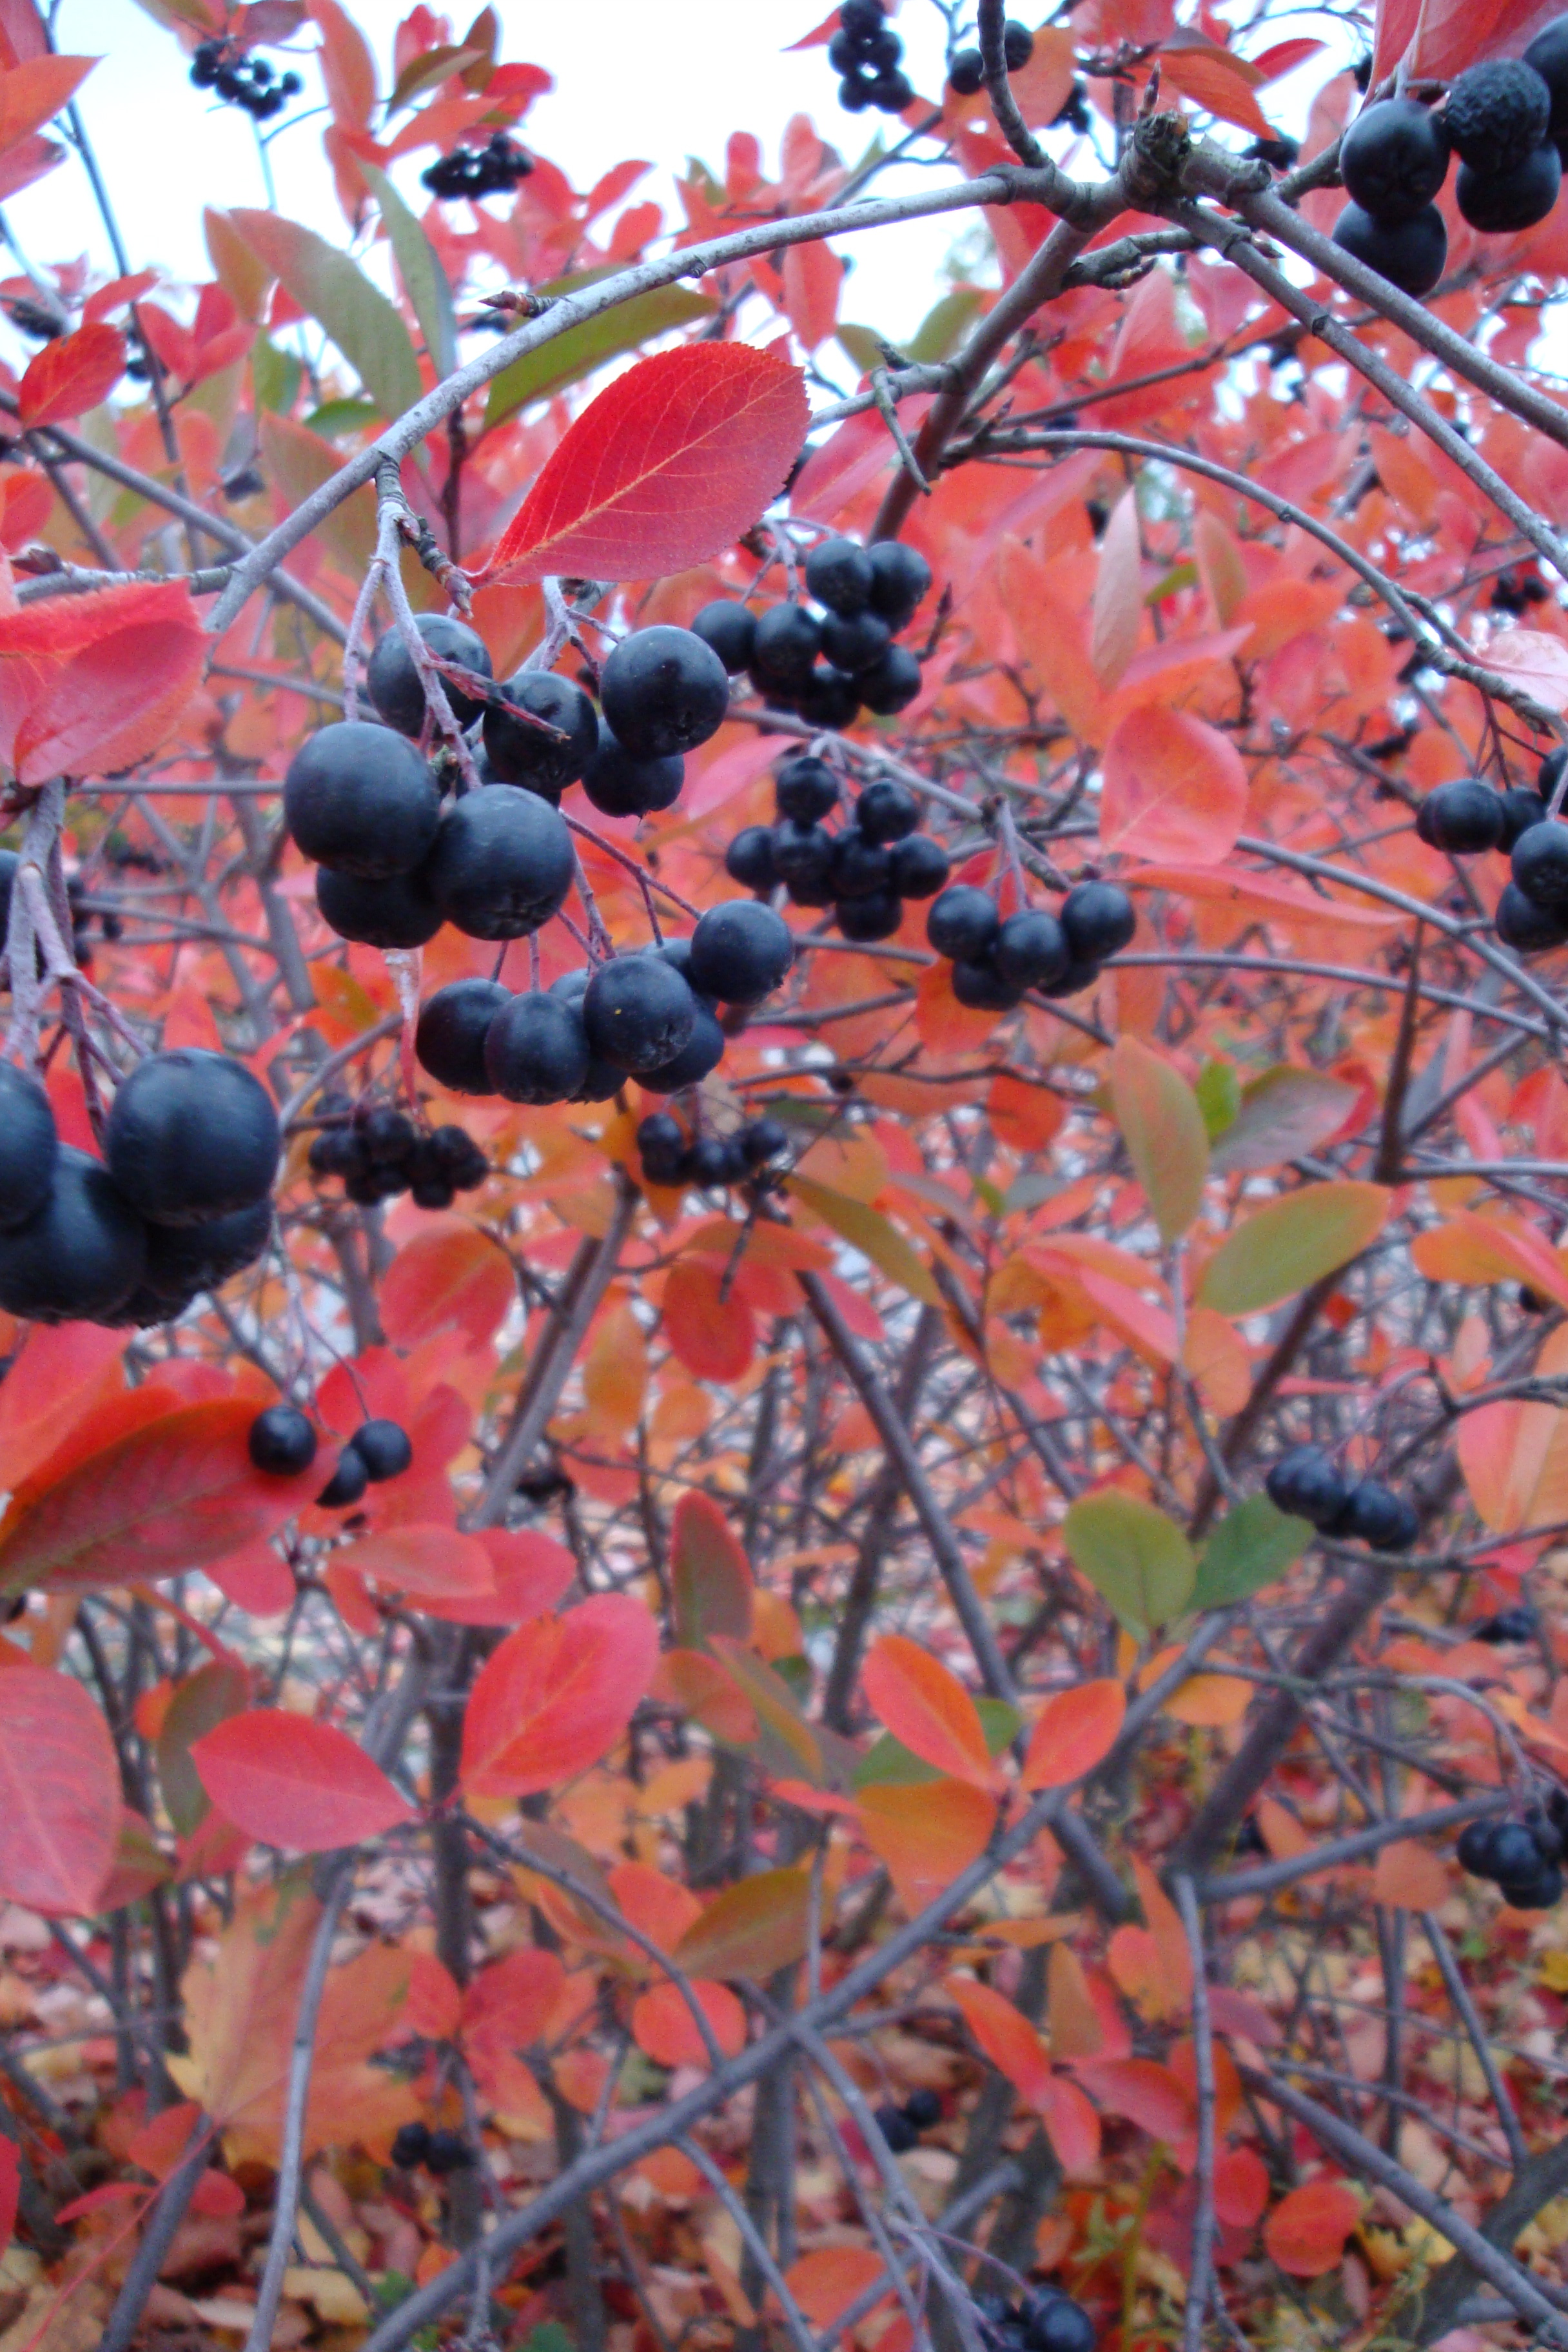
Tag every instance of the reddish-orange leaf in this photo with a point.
(448, 1274)
(1240, 2185)
(69, 1367)
(1007, 2038)
(691, 1680)
(59, 1794)
(670, 463)
(1470, 1249)
(758, 1924)
(664, 2028)
(435, 2002)
(556, 1694)
(926, 1833)
(33, 93)
(174, 1494)
(71, 374)
(431, 1562)
(531, 1573)
(1174, 787)
(287, 1780)
(1075, 1730)
(715, 1337)
(92, 683)
(914, 1695)
(1144, 2091)
(1307, 2230)
(829, 2279)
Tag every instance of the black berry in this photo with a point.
(28, 1146)
(787, 643)
(859, 867)
(624, 784)
(448, 2152)
(663, 690)
(923, 2109)
(763, 1139)
(1031, 950)
(1017, 46)
(896, 2130)
(730, 631)
(80, 1255)
(347, 1483)
(361, 799)
(839, 574)
(410, 2145)
(502, 863)
(1409, 254)
(1376, 1514)
(1501, 204)
(1053, 2323)
(1474, 1849)
(400, 912)
(803, 860)
(740, 952)
(749, 859)
(902, 577)
(394, 682)
(185, 1259)
(966, 74)
(192, 1135)
(829, 700)
(1463, 816)
(1496, 112)
(1547, 54)
(450, 1038)
(874, 916)
(1522, 808)
(1394, 158)
(1100, 920)
(1305, 1484)
(281, 1442)
(537, 1049)
(963, 923)
(1539, 865)
(856, 641)
(920, 867)
(805, 790)
(521, 754)
(638, 1012)
(701, 1053)
(887, 810)
(891, 684)
(384, 1447)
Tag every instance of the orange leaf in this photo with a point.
(700, 1685)
(1307, 2230)
(1075, 1730)
(1075, 2029)
(1117, 592)
(556, 1694)
(33, 94)
(714, 1336)
(829, 2280)
(71, 374)
(1409, 1877)
(1072, 2126)
(1471, 1249)
(1007, 2038)
(287, 1780)
(926, 1833)
(59, 1794)
(664, 2027)
(914, 1695)
(1175, 788)
(758, 1924)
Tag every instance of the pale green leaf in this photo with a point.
(1291, 1243)
(1163, 1131)
(1252, 1546)
(1135, 1557)
(868, 1231)
(424, 279)
(359, 318)
(576, 353)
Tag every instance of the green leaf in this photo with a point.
(1252, 1546)
(582, 348)
(863, 345)
(336, 416)
(943, 328)
(425, 71)
(424, 279)
(1282, 1115)
(204, 1700)
(868, 1232)
(1135, 1557)
(985, 1191)
(1292, 1242)
(359, 318)
(1000, 1722)
(298, 462)
(887, 1763)
(275, 376)
(1218, 1091)
(1163, 1131)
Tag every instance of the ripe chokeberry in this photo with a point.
(1031, 950)
(896, 2130)
(663, 690)
(730, 630)
(1410, 254)
(450, 1038)
(502, 863)
(361, 799)
(1305, 1484)
(1053, 2322)
(1374, 1514)
(1100, 920)
(1463, 816)
(855, 642)
(410, 2145)
(281, 1442)
(749, 859)
(839, 574)
(1522, 808)
(638, 1012)
(861, 868)
(531, 756)
(891, 684)
(1394, 158)
(28, 1146)
(1017, 46)
(975, 981)
(384, 1448)
(400, 912)
(877, 916)
(1501, 204)
(448, 2152)
(887, 810)
(923, 2109)
(740, 952)
(902, 577)
(625, 783)
(788, 641)
(536, 1050)
(920, 866)
(394, 682)
(1497, 113)
(1540, 867)
(963, 923)
(1547, 54)
(701, 1053)
(762, 1139)
(803, 861)
(830, 698)
(80, 1255)
(347, 1483)
(185, 1259)
(966, 74)
(191, 1135)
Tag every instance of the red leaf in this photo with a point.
(10, 2187)
(556, 1694)
(531, 1572)
(1072, 2126)
(1240, 2185)
(146, 1501)
(427, 1560)
(664, 2027)
(59, 1794)
(448, 1275)
(33, 93)
(927, 1709)
(71, 374)
(1174, 787)
(1307, 2230)
(96, 681)
(813, 279)
(287, 1781)
(714, 1336)
(1075, 1729)
(668, 465)
(1007, 2038)
(1146, 2093)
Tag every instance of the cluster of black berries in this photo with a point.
(179, 1201)
(865, 52)
(1523, 1858)
(1305, 1483)
(998, 958)
(1466, 815)
(379, 1152)
(365, 804)
(966, 74)
(1507, 120)
(864, 872)
(438, 2151)
(282, 1443)
(1515, 594)
(711, 1162)
(828, 666)
(1520, 1625)
(651, 1014)
(901, 2126)
(492, 170)
(1045, 2321)
(246, 81)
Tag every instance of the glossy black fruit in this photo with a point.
(830, 700)
(281, 1442)
(410, 2145)
(1100, 920)
(966, 74)
(923, 2109)
(708, 1163)
(862, 19)
(400, 912)
(448, 2152)
(887, 810)
(982, 987)
(663, 691)
(661, 1139)
(1498, 112)
(730, 631)
(1526, 928)
(1522, 808)
(1547, 1835)
(28, 1146)
(1018, 44)
(1539, 865)
(451, 1039)
(1547, 54)
(361, 799)
(896, 2130)
(740, 952)
(855, 641)
(1511, 1853)
(1031, 949)
(702, 1053)
(902, 578)
(802, 855)
(891, 684)
(1509, 1625)
(537, 1049)
(861, 868)
(1053, 2323)
(787, 643)
(185, 1259)
(920, 866)
(347, 1483)
(461, 1160)
(638, 1012)
(964, 922)
(805, 790)
(1474, 1849)
(521, 754)
(78, 1256)
(1374, 1514)
(1305, 1483)
(1541, 1891)
(1394, 158)
(502, 864)
(394, 682)
(1463, 816)
(1500, 204)
(192, 1135)
(839, 574)
(763, 1139)
(874, 916)
(621, 783)
(1409, 254)
(384, 1447)
(749, 859)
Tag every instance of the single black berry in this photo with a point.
(1541, 1891)
(451, 1039)
(1520, 1625)
(385, 1449)
(829, 700)
(1100, 920)
(624, 784)
(1501, 204)
(537, 1049)
(874, 916)
(923, 2109)
(1305, 1484)
(638, 1012)
(896, 2130)
(855, 642)
(460, 1158)
(803, 860)
(1496, 112)
(1522, 808)
(740, 952)
(539, 760)
(80, 1255)
(708, 1164)
(701, 1053)
(839, 574)
(1018, 44)
(1463, 816)
(1053, 2323)
(861, 868)
(660, 1142)
(28, 1146)
(1410, 254)
(400, 912)
(192, 1135)
(448, 2152)
(281, 1442)
(185, 1259)
(891, 684)
(1511, 1852)
(966, 74)
(891, 91)
(887, 810)
(1547, 54)
(902, 578)
(410, 2145)
(1376, 1514)
(862, 19)
(360, 798)
(763, 1139)
(730, 630)
(1031, 949)
(1540, 867)
(1474, 1849)
(347, 1483)
(806, 789)
(502, 863)
(920, 867)
(749, 859)
(394, 682)
(1547, 1835)
(663, 690)
(1394, 158)
(389, 1136)
(963, 923)
(787, 643)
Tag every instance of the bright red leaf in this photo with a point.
(59, 1794)
(1307, 2230)
(556, 1694)
(714, 1336)
(927, 1709)
(287, 1780)
(93, 683)
(1174, 787)
(71, 374)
